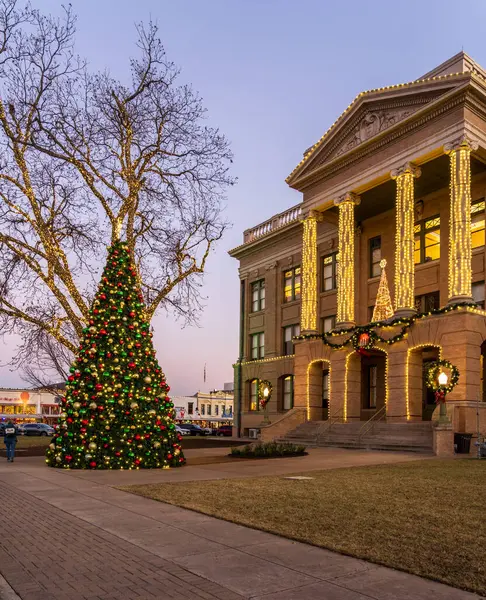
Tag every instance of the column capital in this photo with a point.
(312, 214)
(406, 168)
(464, 142)
(348, 198)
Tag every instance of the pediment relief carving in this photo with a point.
(369, 120)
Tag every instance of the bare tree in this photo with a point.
(85, 160)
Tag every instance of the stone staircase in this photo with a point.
(402, 437)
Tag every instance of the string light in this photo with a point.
(460, 250)
(309, 273)
(267, 360)
(345, 296)
(404, 238)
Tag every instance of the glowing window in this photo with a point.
(288, 392)
(477, 224)
(254, 394)
(427, 240)
(292, 284)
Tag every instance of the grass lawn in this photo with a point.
(28, 441)
(424, 517)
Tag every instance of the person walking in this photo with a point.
(10, 439)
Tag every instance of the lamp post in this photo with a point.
(442, 380)
(266, 396)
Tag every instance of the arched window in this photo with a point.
(287, 392)
(254, 405)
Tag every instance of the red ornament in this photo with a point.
(98, 386)
(169, 456)
(68, 458)
(92, 464)
(137, 461)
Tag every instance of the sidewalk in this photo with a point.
(73, 537)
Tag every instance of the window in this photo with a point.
(292, 284)
(288, 333)
(477, 224)
(288, 392)
(372, 377)
(427, 240)
(478, 293)
(216, 410)
(190, 408)
(258, 295)
(257, 346)
(427, 302)
(254, 395)
(328, 323)
(329, 272)
(375, 256)
(203, 407)
(325, 389)
(209, 410)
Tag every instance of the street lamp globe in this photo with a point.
(443, 378)
(266, 392)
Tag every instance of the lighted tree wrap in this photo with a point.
(116, 413)
(383, 306)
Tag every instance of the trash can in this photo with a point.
(462, 442)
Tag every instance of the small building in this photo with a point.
(208, 409)
(29, 405)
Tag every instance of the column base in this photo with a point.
(344, 325)
(460, 300)
(401, 313)
(309, 332)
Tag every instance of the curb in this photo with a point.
(6, 592)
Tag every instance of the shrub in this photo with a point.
(267, 450)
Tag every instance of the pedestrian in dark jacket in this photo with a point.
(10, 439)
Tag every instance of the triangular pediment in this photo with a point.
(370, 116)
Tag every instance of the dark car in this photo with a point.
(225, 430)
(193, 429)
(38, 429)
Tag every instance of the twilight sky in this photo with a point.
(274, 74)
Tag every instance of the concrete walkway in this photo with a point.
(73, 537)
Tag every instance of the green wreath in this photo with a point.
(264, 383)
(432, 374)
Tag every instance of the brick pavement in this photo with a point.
(46, 553)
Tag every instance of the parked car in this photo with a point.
(38, 429)
(192, 429)
(225, 430)
(207, 430)
(182, 431)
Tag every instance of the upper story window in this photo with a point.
(203, 409)
(292, 284)
(258, 295)
(328, 323)
(216, 410)
(375, 256)
(190, 408)
(288, 333)
(427, 240)
(478, 293)
(477, 224)
(427, 302)
(257, 346)
(209, 409)
(254, 405)
(329, 272)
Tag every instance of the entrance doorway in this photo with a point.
(428, 396)
(373, 383)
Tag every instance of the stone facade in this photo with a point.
(417, 148)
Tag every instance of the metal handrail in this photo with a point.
(380, 414)
(326, 426)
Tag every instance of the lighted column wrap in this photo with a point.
(460, 268)
(404, 239)
(345, 284)
(308, 318)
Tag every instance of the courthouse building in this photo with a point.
(401, 176)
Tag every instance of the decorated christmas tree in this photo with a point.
(116, 413)
(383, 306)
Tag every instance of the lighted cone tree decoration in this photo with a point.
(116, 413)
(383, 306)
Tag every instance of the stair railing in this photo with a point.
(336, 417)
(371, 422)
